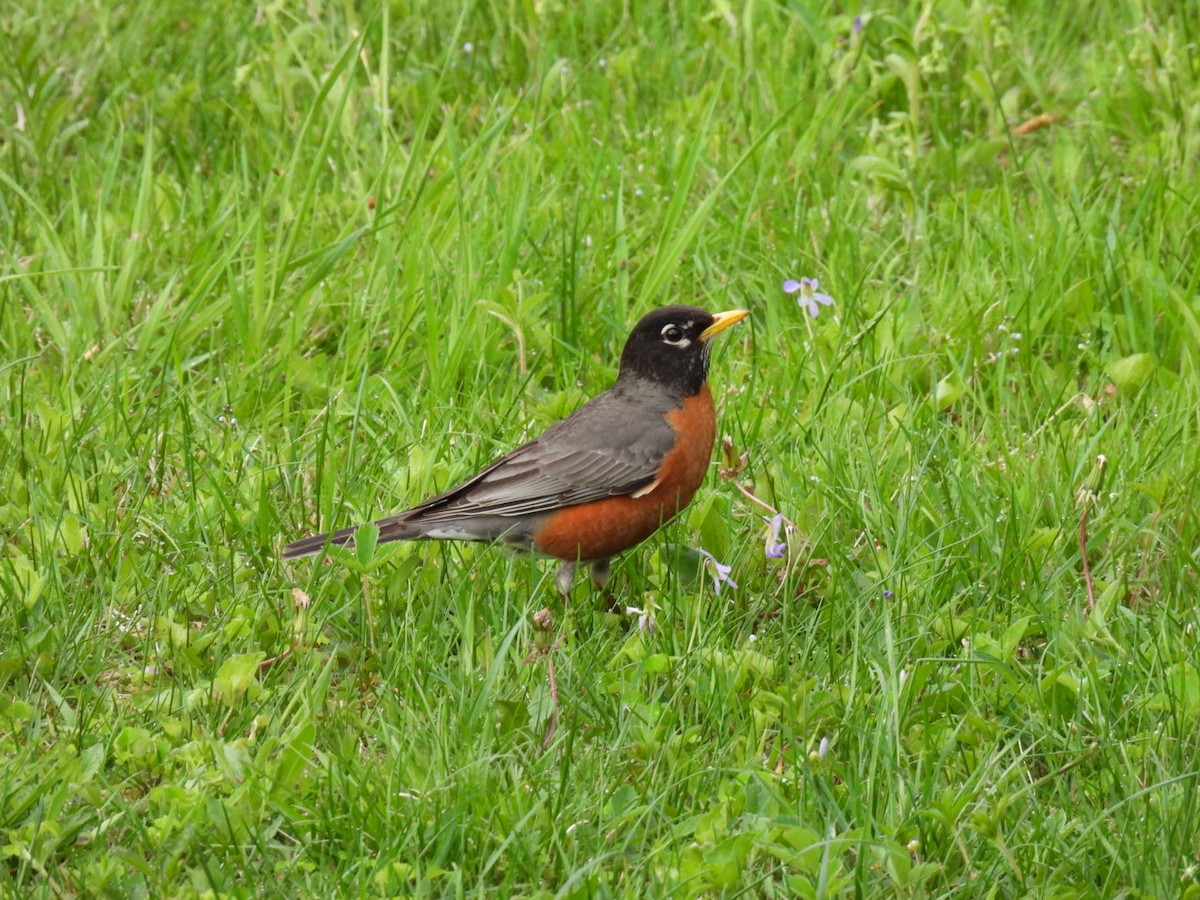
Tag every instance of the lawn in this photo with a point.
(272, 269)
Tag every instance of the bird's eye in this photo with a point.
(673, 334)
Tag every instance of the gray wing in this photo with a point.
(608, 447)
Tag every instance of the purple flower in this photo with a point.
(775, 547)
(888, 595)
(858, 23)
(809, 297)
(720, 571)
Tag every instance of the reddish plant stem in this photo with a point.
(266, 663)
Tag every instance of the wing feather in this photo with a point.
(615, 449)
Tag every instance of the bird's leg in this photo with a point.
(564, 579)
(601, 570)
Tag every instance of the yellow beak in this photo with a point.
(721, 321)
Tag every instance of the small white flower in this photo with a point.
(647, 624)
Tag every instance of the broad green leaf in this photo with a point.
(1131, 371)
(365, 541)
(948, 391)
(236, 675)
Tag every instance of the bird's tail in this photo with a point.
(393, 529)
(318, 542)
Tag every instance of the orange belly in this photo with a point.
(593, 531)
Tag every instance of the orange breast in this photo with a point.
(593, 531)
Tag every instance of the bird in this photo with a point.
(601, 480)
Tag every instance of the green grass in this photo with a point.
(268, 269)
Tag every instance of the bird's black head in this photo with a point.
(670, 347)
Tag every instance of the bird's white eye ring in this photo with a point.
(673, 334)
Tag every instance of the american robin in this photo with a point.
(601, 480)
